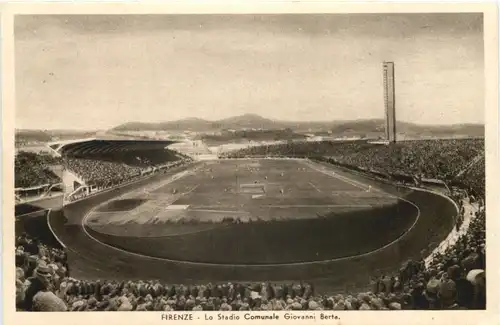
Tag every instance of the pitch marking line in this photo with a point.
(355, 183)
(320, 206)
(52, 230)
(184, 194)
(342, 178)
(314, 186)
(112, 212)
(218, 211)
(158, 185)
(331, 174)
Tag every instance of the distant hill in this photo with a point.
(248, 121)
(376, 127)
(411, 130)
(37, 136)
(248, 136)
(32, 136)
(367, 128)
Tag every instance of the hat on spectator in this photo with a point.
(395, 306)
(296, 306)
(364, 306)
(473, 275)
(126, 306)
(433, 286)
(77, 304)
(339, 305)
(42, 271)
(313, 305)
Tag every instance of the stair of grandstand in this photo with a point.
(474, 161)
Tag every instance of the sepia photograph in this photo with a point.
(254, 166)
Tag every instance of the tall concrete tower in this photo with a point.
(390, 102)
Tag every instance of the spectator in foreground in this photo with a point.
(38, 295)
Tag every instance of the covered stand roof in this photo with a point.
(99, 146)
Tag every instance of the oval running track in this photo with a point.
(90, 260)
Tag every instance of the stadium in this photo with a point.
(373, 225)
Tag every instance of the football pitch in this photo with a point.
(239, 191)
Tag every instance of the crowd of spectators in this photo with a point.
(32, 169)
(39, 270)
(144, 158)
(474, 177)
(99, 173)
(106, 170)
(296, 149)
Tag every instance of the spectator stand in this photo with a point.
(101, 181)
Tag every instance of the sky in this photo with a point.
(96, 72)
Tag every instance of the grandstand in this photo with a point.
(94, 165)
(36, 176)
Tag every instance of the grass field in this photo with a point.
(250, 210)
(236, 191)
